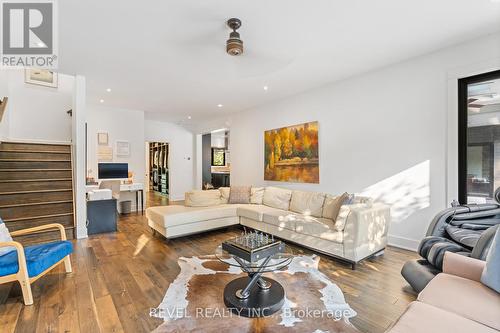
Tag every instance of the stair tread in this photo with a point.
(30, 160)
(37, 177)
(36, 203)
(33, 180)
(37, 191)
(36, 217)
(16, 170)
(34, 151)
(35, 143)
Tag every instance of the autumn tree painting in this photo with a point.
(291, 154)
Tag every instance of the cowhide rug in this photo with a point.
(194, 301)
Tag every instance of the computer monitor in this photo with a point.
(112, 170)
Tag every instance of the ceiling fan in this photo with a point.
(234, 45)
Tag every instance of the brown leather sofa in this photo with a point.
(454, 301)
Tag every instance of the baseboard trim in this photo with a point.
(403, 242)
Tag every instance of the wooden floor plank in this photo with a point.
(118, 277)
(108, 317)
(9, 315)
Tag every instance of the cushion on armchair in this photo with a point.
(38, 258)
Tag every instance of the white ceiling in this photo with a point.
(168, 57)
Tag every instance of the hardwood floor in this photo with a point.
(118, 277)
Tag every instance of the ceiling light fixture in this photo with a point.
(108, 90)
(219, 105)
(234, 45)
(265, 88)
(189, 117)
(102, 101)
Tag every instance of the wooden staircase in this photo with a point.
(36, 188)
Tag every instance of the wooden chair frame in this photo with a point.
(22, 275)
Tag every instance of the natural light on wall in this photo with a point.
(407, 192)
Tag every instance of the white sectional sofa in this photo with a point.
(359, 231)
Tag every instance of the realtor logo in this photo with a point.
(29, 34)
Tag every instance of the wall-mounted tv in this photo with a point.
(112, 170)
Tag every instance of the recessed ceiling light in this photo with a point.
(189, 117)
(108, 90)
(265, 88)
(220, 105)
(102, 101)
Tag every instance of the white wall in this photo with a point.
(4, 91)
(38, 113)
(121, 125)
(218, 139)
(181, 154)
(383, 134)
(130, 125)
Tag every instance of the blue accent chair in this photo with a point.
(28, 264)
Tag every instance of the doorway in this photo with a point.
(479, 137)
(158, 175)
(216, 163)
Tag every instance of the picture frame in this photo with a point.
(291, 153)
(122, 148)
(218, 157)
(41, 77)
(104, 154)
(102, 138)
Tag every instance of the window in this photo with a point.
(218, 157)
(479, 138)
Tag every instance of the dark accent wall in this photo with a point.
(206, 146)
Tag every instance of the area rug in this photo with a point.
(194, 301)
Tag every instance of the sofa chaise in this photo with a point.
(305, 218)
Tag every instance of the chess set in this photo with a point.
(253, 246)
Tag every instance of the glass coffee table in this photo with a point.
(255, 253)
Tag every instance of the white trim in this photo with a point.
(451, 158)
(403, 242)
(79, 171)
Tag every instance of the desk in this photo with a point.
(134, 187)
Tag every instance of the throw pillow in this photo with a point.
(200, 198)
(350, 199)
(224, 192)
(491, 273)
(239, 195)
(256, 195)
(331, 207)
(358, 199)
(5, 237)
